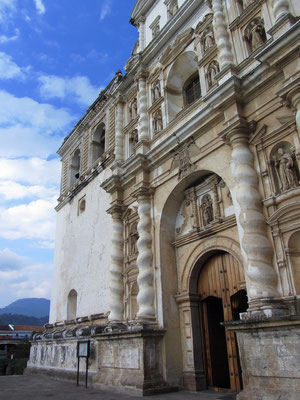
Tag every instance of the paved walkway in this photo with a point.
(27, 387)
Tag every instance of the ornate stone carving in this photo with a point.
(255, 34)
(145, 298)
(157, 122)
(116, 266)
(133, 110)
(207, 209)
(286, 170)
(133, 140)
(133, 239)
(280, 8)
(212, 70)
(155, 91)
(182, 158)
(208, 39)
(262, 279)
(222, 34)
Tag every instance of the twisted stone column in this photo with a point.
(145, 298)
(143, 130)
(280, 8)
(222, 34)
(119, 140)
(116, 266)
(257, 249)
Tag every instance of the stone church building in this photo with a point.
(178, 222)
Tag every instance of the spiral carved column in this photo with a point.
(145, 298)
(143, 130)
(116, 266)
(262, 279)
(222, 34)
(280, 8)
(119, 141)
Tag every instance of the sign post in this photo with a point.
(83, 351)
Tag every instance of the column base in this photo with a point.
(264, 308)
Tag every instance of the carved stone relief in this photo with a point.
(255, 34)
(157, 122)
(200, 209)
(285, 168)
(133, 109)
(133, 140)
(183, 158)
(155, 91)
(212, 70)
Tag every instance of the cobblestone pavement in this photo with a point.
(29, 387)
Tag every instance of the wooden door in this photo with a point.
(220, 286)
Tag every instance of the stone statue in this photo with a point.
(256, 34)
(286, 171)
(157, 122)
(134, 236)
(156, 94)
(133, 140)
(133, 109)
(207, 209)
(207, 39)
(212, 70)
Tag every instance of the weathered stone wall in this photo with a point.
(270, 360)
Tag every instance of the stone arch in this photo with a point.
(75, 166)
(98, 142)
(201, 253)
(72, 304)
(184, 68)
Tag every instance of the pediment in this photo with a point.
(285, 213)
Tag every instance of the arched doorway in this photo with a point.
(222, 297)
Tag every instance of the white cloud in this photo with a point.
(78, 89)
(105, 9)
(41, 9)
(7, 7)
(31, 171)
(21, 278)
(35, 220)
(5, 39)
(9, 69)
(31, 128)
(10, 190)
(11, 261)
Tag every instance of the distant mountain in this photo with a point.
(16, 319)
(30, 307)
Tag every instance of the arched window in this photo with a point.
(75, 166)
(72, 305)
(98, 142)
(192, 90)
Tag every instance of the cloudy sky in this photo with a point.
(55, 57)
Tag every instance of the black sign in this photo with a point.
(83, 349)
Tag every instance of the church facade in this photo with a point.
(178, 223)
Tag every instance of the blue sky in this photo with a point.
(55, 57)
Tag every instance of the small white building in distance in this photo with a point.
(178, 224)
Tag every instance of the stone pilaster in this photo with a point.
(145, 298)
(119, 140)
(141, 28)
(116, 266)
(256, 247)
(280, 8)
(222, 34)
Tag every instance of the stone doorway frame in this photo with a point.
(188, 300)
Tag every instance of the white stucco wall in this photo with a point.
(82, 254)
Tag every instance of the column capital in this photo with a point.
(116, 209)
(240, 130)
(119, 99)
(143, 191)
(141, 73)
